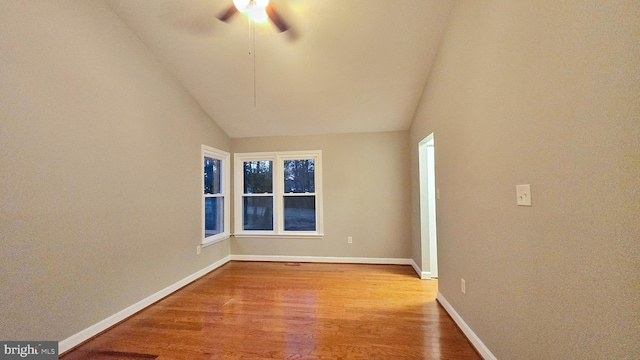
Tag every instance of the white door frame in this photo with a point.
(428, 233)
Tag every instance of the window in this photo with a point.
(215, 200)
(278, 194)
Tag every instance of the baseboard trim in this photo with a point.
(422, 274)
(482, 349)
(86, 334)
(323, 259)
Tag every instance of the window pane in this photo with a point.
(212, 175)
(300, 213)
(257, 213)
(258, 177)
(299, 176)
(213, 216)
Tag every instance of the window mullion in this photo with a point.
(278, 179)
(275, 194)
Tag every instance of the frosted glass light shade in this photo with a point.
(258, 14)
(241, 5)
(255, 9)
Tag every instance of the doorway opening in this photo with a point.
(428, 233)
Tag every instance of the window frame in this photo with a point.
(225, 183)
(278, 193)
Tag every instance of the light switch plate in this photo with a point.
(523, 195)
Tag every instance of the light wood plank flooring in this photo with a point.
(252, 310)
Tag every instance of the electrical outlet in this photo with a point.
(523, 195)
(198, 249)
(350, 239)
(463, 286)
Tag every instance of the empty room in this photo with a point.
(290, 179)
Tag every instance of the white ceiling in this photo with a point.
(345, 66)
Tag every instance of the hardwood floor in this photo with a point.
(250, 310)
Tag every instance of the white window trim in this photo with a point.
(278, 159)
(225, 184)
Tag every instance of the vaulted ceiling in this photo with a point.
(344, 66)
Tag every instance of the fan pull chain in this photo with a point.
(252, 51)
(250, 37)
(253, 35)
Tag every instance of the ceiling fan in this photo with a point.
(257, 11)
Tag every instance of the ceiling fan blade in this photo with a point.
(227, 14)
(277, 20)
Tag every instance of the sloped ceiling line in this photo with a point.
(354, 66)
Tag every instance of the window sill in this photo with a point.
(207, 242)
(275, 236)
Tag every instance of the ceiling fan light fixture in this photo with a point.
(258, 14)
(241, 5)
(261, 3)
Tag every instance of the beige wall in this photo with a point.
(545, 93)
(366, 195)
(99, 170)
